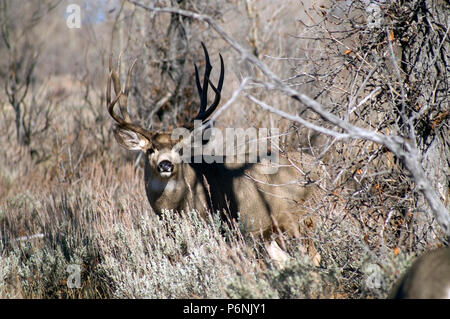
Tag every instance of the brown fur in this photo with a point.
(428, 277)
(266, 202)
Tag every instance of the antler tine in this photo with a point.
(123, 100)
(128, 82)
(110, 105)
(119, 59)
(208, 68)
(217, 90)
(204, 113)
(114, 76)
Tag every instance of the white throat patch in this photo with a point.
(157, 185)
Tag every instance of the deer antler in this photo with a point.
(122, 98)
(204, 112)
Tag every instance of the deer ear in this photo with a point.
(131, 140)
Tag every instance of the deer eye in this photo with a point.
(150, 151)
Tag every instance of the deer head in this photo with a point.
(158, 146)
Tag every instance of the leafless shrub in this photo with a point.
(23, 50)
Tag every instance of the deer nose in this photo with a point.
(165, 166)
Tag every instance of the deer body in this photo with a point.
(263, 200)
(428, 278)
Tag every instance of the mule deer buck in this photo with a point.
(265, 202)
(427, 278)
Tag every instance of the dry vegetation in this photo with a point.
(70, 196)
